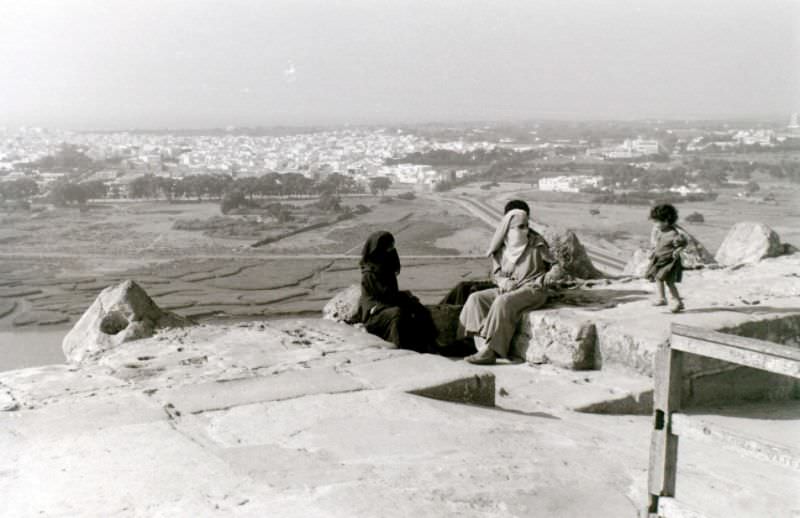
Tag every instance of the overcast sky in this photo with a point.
(112, 64)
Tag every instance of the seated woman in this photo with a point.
(394, 315)
(459, 294)
(520, 260)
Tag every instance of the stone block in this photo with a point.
(559, 337)
(429, 375)
(218, 395)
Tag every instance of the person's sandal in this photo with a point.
(659, 302)
(677, 307)
(484, 357)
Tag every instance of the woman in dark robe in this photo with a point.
(394, 315)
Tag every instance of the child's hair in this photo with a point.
(664, 212)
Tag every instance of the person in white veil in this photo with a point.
(520, 260)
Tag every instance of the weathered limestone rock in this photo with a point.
(572, 257)
(119, 314)
(637, 265)
(749, 242)
(343, 307)
(7, 401)
(557, 337)
(695, 255)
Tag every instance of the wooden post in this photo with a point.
(663, 443)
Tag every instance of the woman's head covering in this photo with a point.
(379, 254)
(499, 240)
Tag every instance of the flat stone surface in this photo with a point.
(778, 422)
(429, 375)
(286, 385)
(629, 328)
(527, 388)
(418, 370)
(36, 385)
(123, 441)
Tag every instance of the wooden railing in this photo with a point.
(669, 424)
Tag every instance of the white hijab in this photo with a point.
(511, 251)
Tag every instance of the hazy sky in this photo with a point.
(106, 64)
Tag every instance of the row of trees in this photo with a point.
(63, 192)
(708, 173)
(20, 189)
(202, 186)
(68, 193)
(214, 186)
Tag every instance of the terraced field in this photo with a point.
(51, 272)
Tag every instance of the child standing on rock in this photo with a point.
(665, 261)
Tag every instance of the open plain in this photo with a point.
(53, 263)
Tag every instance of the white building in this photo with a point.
(685, 190)
(569, 183)
(636, 148)
(794, 122)
(763, 138)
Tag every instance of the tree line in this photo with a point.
(215, 186)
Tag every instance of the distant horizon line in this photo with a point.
(772, 119)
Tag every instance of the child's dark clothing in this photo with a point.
(664, 266)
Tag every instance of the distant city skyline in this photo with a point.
(184, 64)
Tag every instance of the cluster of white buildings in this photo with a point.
(570, 183)
(734, 139)
(685, 190)
(414, 175)
(242, 155)
(767, 138)
(631, 148)
(358, 153)
(27, 145)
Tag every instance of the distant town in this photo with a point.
(609, 159)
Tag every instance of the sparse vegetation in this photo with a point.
(379, 184)
(695, 217)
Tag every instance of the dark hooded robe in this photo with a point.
(394, 315)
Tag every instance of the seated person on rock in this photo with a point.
(520, 260)
(459, 294)
(394, 315)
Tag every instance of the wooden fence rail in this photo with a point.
(669, 424)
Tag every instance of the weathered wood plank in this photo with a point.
(746, 357)
(739, 342)
(695, 428)
(663, 443)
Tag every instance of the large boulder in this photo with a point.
(572, 258)
(119, 314)
(343, 307)
(695, 256)
(638, 263)
(749, 242)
